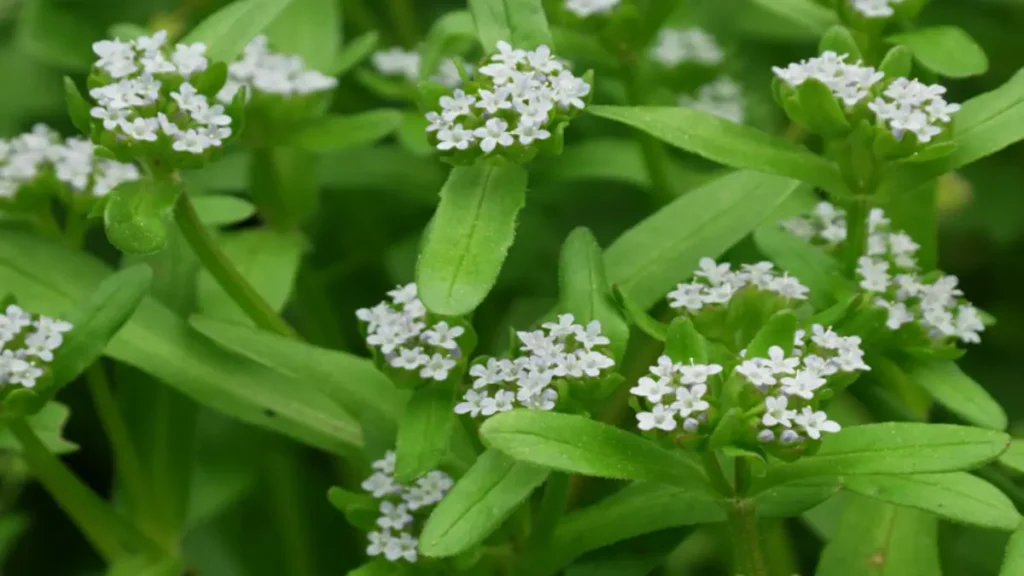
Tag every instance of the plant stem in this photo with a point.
(552, 506)
(403, 14)
(655, 156)
(286, 503)
(747, 539)
(112, 537)
(224, 272)
(857, 230)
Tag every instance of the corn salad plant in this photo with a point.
(505, 287)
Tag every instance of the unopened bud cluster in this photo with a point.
(402, 509)
(562, 350)
(27, 344)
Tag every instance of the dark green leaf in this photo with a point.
(519, 22)
(310, 29)
(575, 444)
(219, 211)
(334, 132)
(479, 503)
(228, 30)
(424, 432)
(354, 53)
(958, 392)
(469, 237)
(946, 50)
(584, 289)
(137, 215)
(48, 424)
(1014, 456)
(78, 108)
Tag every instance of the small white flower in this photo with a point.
(437, 367)
(502, 402)
(380, 484)
(592, 363)
(144, 129)
(566, 326)
(486, 374)
(776, 412)
(378, 542)
(665, 369)
(492, 102)
(393, 517)
(528, 133)
(189, 58)
(778, 362)
(687, 296)
(455, 137)
(803, 384)
(443, 336)
(457, 105)
(690, 400)
(591, 336)
(697, 373)
(385, 464)
(651, 389)
(814, 423)
(659, 417)
(494, 133)
(758, 372)
(409, 358)
(472, 403)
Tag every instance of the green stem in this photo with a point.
(112, 537)
(403, 14)
(285, 499)
(747, 539)
(656, 157)
(224, 272)
(552, 506)
(856, 230)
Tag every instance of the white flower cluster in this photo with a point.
(686, 383)
(525, 90)
(563, 350)
(262, 70)
(791, 383)
(398, 329)
(587, 8)
(889, 270)
(394, 539)
(26, 157)
(130, 102)
(27, 343)
(722, 97)
(850, 83)
(876, 8)
(680, 46)
(718, 283)
(406, 64)
(911, 106)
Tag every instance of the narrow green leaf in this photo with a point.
(310, 29)
(267, 258)
(806, 14)
(958, 392)
(1014, 456)
(220, 210)
(878, 539)
(896, 448)
(639, 317)
(78, 108)
(794, 498)
(584, 289)
(648, 260)
(728, 143)
(447, 31)
(48, 424)
(228, 30)
(778, 331)
(519, 22)
(137, 214)
(380, 567)
(469, 237)
(575, 444)
(334, 132)
(684, 343)
(958, 496)
(637, 509)
(1013, 562)
(812, 266)
(479, 503)
(424, 432)
(354, 53)
(97, 319)
(945, 50)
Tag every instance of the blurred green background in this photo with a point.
(255, 496)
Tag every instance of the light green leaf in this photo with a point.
(228, 30)
(637, 509)
(479, 503)
(896, 448)
(1013, 562)
(333, 132)
(639, 317)
(469, 237)
(138, 213)
(648, 260)
(878, 539)
(519, 22)
(728, 143)
(575, 444)
(126, 31)
(812, 266)
(985, 125)
(945, 50)
(683, 342)
(584, 289)
(310, 29)
(424, 432)
(1014, 456)
(48, 425)
(218, 211)
(809, 16)
(958, 392)
(354, 53)
(267, 258)
(778, 331)
(615, 160)
(379, 567)
(78, 108)
(957, 496)
(158, 341)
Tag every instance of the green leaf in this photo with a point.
(127, 31)
(958, 496)
(820, 109)
(469, 237)
(794, 498)
(445, 35)
(78, 108)
(584, 289)
(310, 29)
(219, 211)
(812, 266)
(424, 432)
(137, 214)
(805, 13)
(354, 53)
(838, 39)
(639, 317)
(728, 143)
(1014, 456)
(896, 448)
(51, 31)
(684, 343)
(333, 132)
(945, 50)
(228, 30)
(648, 260)
(48, 424)
(519, 22)
(878, 539)
(637, 509)
(958, 392)
(778, 331)
(985, 125)
(898, 62)
(97, 319)
(267, 258)
(160, 342)
(479, 503)
(146, 566)
(575, 444)
(1013, 562)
